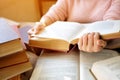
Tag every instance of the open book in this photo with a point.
(87, 60)
(59, 35)
(52, 65)
(108, 69)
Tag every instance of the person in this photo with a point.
(83, 11)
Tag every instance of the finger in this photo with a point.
(80, 43)
(96, 38)
(85, 41)
(101, 43)
(98, 49)
(90, 42)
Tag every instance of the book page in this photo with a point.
(57, 66)
(61, 30)
(108, 69)
(23, 33)
(6, 32)
(87, 60)
(103, 27)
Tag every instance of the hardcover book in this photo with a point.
(59, 35)
(10, 41)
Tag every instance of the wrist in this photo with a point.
(40, 24)
(43, 22)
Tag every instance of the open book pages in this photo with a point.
(108, 69)
(70, 31)
(88, 59)
(53, 65)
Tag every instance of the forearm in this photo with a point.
(55, 13)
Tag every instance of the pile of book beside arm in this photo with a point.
(13, 58)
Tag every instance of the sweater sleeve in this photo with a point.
(57, 12)
(114, 11)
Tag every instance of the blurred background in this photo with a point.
(24, 10)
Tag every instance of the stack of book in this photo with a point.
(13, 59)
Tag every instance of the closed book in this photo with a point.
(10, 41)
(13, 59)
(9, 72)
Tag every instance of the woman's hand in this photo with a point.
(91, 42)
(37, 28)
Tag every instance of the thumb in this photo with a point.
(101, 43)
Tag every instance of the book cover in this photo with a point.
(13, 59)
(7, 32)
(10, 41)
(9, 72)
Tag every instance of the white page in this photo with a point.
(61, 30)
(103, 27)
(87, 60)
(57, 66)
(6, 32)
(23, 33)
(111, 69)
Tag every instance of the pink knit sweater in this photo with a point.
(84, 10)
